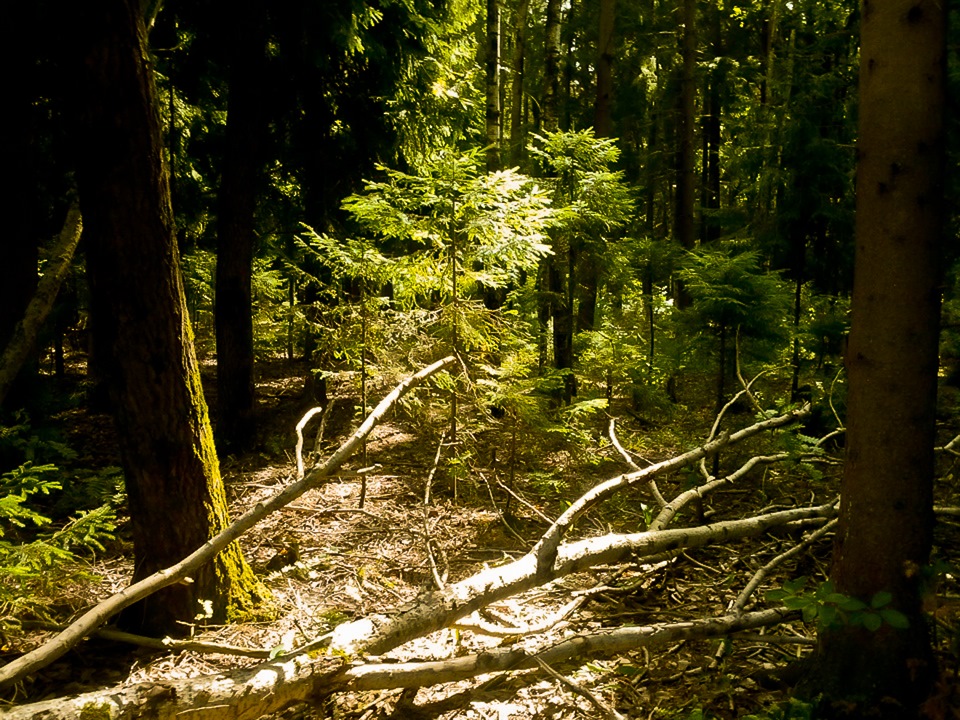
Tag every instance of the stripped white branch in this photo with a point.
(98, 615)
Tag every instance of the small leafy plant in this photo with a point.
(829, 608)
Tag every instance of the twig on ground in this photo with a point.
(523, 501)
(300, 426)
(482, 627)
(740, 603)
(652, 484)
(605, 710)
(437, 579)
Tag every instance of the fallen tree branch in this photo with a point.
(380, 633)
(273, 685)
(669, 511)
(546, 549)
(98, 615)
(270, 687)
(651, 483)
(25, 332)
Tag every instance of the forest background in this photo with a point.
(600, 210)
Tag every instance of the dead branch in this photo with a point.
(300, 425)
(546, 549)
(604, 709)
(651, 484)
(670, 510)
(740, 603)
(272, 686)
(98, 615)
(380, 633)
(25, 332)
(480, 626)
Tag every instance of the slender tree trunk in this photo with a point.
(710, 229)
(143, 334)
(884, 534)
(19, 153)
(243, 155)
(603, 109)
(517, 134)
(551, 71)
(24, 338)
(562, 327)
(493, 85)
(684, 228)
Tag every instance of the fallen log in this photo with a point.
(270, 687)
(98, 615)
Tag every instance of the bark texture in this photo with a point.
(140, 325)
(886, 514)
(493, 117)
(243, 157)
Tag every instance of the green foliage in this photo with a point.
(38, 553)
(588, 196)
(793, 709)
(729, 289)
(829, 608)
(490, 224)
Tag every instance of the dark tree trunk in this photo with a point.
(20, 207)
(562, 329)
(684, 228)
(140, 323)
(603, 110)
(883, 540)
(243, 155)
(710, 229)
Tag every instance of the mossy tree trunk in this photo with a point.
(886, 514)
(140, 323)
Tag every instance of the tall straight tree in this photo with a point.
(517, 134)
(886, 513)
(140, 323)
(603, 113)
(551, 70)
(684, 228)
(242, 163)
(493, 85)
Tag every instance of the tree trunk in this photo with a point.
(20, 155)
(24, 337)
(143, 334)
(517, 134)
(493, 85)
(684, 229)
(551, 71)
(243, 156)
(603, 112)
(884, 535)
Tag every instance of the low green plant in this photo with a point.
(44, 545)
(793, 709)
(829, 608)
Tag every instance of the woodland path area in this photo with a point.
(328, 562)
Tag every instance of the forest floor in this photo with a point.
(326, 559)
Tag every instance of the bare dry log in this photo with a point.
(546, 549)
(96, 616)
(269, 687)
(379, 633)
